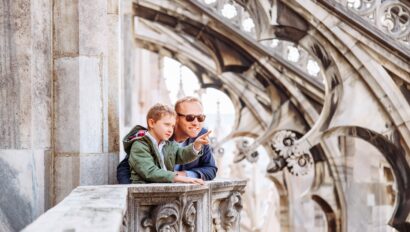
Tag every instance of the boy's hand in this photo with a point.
(189, 180)
(201, 140)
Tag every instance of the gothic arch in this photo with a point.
(395, 156)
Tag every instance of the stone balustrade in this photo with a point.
(215, 206)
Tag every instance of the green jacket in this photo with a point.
(144, 160)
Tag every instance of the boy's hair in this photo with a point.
(160, 110)
(186, 99)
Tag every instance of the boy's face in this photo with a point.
(163, 128)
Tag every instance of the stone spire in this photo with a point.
(218, 124)
(181, 92)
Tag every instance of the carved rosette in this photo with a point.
(168, 217)
(226, 213)
(291, 154)
(390, 16)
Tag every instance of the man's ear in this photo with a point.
(151, 122)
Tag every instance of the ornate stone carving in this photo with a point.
(189, 217)
(276, 165)
(227, 213)
(297, 159)
(243, 150)
(236, 14)
(282, 141)
(124, 226)
(163, 218)
(390, 16)
(167, 217)
(300, 165)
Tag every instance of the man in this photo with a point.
(188, 127)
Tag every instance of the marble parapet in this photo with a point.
(215, 206)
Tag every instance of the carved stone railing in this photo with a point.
(168, 207)
(226, 204)
(390, 17)
(296, 55)
(215, 206)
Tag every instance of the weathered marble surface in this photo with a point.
(87, 208)
(215, 206)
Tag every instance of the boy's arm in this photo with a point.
(142, 162)
(186, 154)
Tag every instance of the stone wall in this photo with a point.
(59, 123)
(83, 58)
(25, 111)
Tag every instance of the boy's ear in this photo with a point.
(151, 122)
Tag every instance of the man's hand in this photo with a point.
(181, 173)
(201, 140)
(189, 180)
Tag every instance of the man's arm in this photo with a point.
(204, 168)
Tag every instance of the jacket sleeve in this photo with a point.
(206, 167)
(186, 154)
(142, 162)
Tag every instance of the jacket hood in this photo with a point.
(136, 132)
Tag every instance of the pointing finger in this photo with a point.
(207, 133)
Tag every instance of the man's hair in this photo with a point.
(160, 110)
(186, 99)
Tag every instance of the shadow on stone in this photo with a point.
(16, 209)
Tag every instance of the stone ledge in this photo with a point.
(87, 208)
(140, 207)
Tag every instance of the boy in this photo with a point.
(153, 157)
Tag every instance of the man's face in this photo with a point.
(163, 128)
(183, 127)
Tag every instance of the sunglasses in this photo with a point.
(191, 117)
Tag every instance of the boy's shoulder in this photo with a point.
(139, 139)
(135, 133)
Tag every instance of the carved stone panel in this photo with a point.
(226, 213)
(173, 217)
(226, 205)
(169, 208)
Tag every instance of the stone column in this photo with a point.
(83, 57)
(25, 111)
(113, 86)
(127, 69)
(142, 83)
